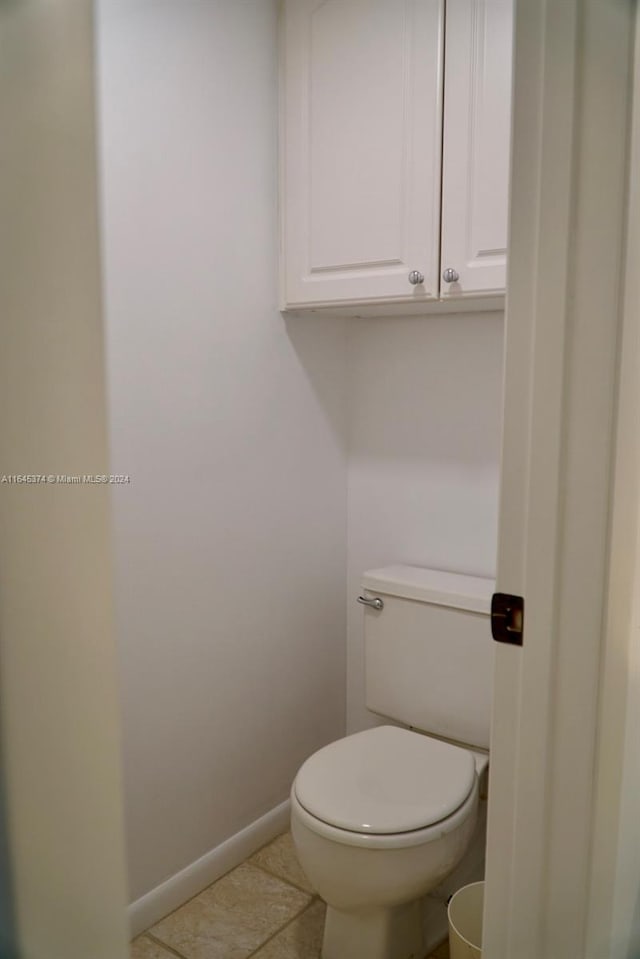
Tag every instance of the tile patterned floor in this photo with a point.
(263, 909)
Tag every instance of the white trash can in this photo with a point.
(465, 922)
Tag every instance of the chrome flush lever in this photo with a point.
(374, 603)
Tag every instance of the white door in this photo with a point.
(477, 138)
(568, 202)
(361, 150)
(60, 751)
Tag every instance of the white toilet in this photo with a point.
(381, 817)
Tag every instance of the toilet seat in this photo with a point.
(385, 782)
(386, 841)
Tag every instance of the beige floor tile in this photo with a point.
(301, 939)
(145, 948)
(280, 858)
(230, 919)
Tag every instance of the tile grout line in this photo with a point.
(164, 945)
(313, 898)
(312, 902)
(308, 905)
(146, 932)
(230, 870)
(274, 875)
(268, 843)
(245, 862)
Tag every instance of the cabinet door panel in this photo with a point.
(361, 149)
(477, 138)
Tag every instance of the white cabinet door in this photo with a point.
(361, 150)
(477, 136)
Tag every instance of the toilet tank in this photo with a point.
(429, 652)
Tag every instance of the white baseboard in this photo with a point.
(166, 897)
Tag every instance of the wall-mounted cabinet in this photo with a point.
(394, 153)
(476, 145)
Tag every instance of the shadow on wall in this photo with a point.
(634, 932)
(415, 402)
(320, 343)
(425, 409)
(425, 400)
(8, 944)
(427, 388)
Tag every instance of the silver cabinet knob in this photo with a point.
(450, 276)
(416, 277)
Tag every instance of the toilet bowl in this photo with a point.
(379, 819)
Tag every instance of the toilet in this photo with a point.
(381, 817)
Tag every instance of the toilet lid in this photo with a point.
(385, 780)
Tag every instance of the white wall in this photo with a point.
(230, 540)
(614, 907)
(233, 425)
(425, 399)
(622, 668)
(58, 693)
